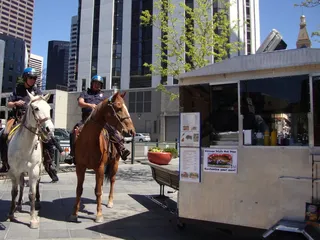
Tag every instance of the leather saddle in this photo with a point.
(112, 151)
(10, 129)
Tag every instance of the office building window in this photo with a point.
(140, 102)
(279, 105)
(141, 45)
(3, 101)
(117, 43)
(95, 38)
(2, 114)
(84, 83)
(154, 126)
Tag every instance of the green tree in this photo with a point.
(311, 4)
(20, 80)
(190, 37)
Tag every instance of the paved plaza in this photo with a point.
(133, 217)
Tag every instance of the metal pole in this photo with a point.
(176, 143)
(157, 143)
(132, 151)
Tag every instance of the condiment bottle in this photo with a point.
(274, 138)
(266, 138)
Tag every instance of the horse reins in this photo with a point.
(120, 119)
(38, 121)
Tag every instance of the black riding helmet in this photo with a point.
(97, 78)
(29, 73)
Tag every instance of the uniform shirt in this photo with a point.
(20, 93)
(91, 97)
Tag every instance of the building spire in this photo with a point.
(303, 37)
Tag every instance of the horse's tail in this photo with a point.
(108, 172)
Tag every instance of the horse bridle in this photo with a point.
(120, 119)
(39, 121)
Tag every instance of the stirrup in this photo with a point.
(69, 159)
(125, 154)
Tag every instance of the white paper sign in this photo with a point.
(190, 129)
(189, 164)
(220, 160)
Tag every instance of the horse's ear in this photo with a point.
(123, 94)
(30, 95)
(114, 96)
(46, 97)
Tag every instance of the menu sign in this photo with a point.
(220, 160)
(190, 164)
(190, 154)
(190, 129)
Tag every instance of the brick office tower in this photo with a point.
(16, 18)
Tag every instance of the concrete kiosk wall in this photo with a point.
(255, 196)
(272, 182)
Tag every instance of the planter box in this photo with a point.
(160, 158)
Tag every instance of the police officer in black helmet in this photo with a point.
(18, 100)
(88, 100)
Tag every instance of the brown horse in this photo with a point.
(92, 148)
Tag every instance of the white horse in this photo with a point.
(25, 153)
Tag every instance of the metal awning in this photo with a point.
(262, 61)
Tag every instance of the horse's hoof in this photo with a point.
(73, 218)
(99, 219)
(110, 205)
(34, 224)
(19, 208)
(37, 206)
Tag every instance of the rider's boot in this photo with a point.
(48, 155)
(119, 144)
(4, 153)
(70, 158)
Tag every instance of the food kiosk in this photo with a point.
(249, 139)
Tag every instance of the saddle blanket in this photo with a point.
(12, 131)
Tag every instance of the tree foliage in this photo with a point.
(190, 36)
(20, 80)
(311, 4)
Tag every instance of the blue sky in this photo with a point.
(52, 20)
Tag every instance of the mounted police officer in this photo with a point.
(88, 100)
(18, 100)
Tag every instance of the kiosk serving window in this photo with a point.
(196, 98)
(316, 109)
(275, 111)
(218, 106)
(224, 114)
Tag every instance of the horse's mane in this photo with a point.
(24, 117)
(97, 110)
